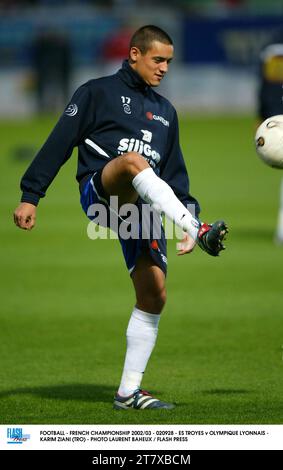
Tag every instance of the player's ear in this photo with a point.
(134, 54)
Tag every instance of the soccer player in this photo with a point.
(270, 101)
(128, 142)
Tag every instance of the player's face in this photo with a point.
(153, 65)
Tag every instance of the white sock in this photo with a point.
(162, 198)
(141, 337)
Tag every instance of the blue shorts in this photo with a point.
(92, 192)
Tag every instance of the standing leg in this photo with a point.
(149, 284)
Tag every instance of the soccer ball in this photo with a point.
(269, 141)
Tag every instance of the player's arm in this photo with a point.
(57, 149)
(173, 171)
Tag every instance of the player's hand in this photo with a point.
(24, 216)
(186, 245)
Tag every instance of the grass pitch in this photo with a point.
(66, 300)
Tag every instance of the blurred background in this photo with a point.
(48, 48)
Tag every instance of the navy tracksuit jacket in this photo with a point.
(107, 117)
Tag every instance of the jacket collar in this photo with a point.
(131, 77)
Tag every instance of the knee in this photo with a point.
(153, 302)
(133, 163)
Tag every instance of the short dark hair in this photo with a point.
(145, 35)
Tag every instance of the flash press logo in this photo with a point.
(16, 436)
